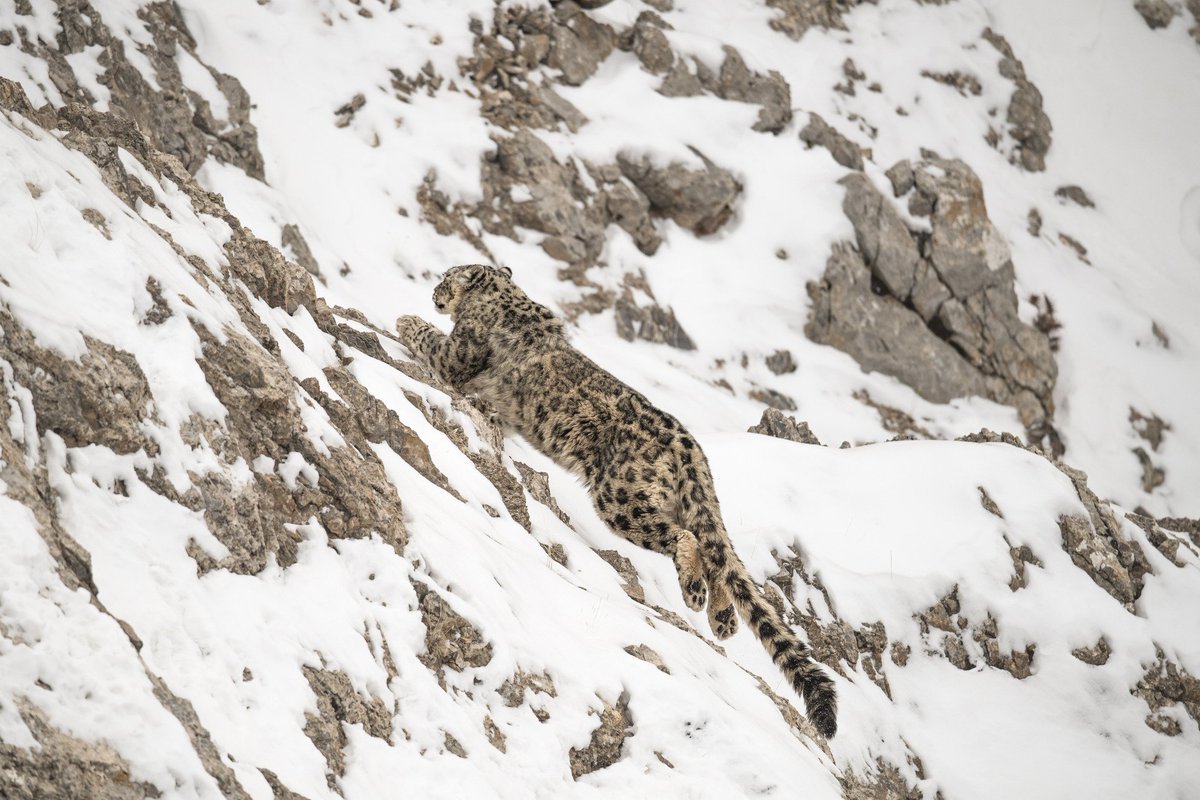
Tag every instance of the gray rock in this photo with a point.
(1074, 194)
(820, 133)
(928, 292)
(799, 15)
(1157, 13)
(965, 247)
(100, 398)
(604, 749)
(773, 398)
(64, 767)
(338, 704)
(883, 239)
(578, 43)
(629, 208)
(775, 423)
(900, 175)
(681, 82)
(1028, 124)
(736, 82)
(645, 39)
(1167, 684)
(699, 200)
(781, 362)
(651, 322)
(882, 335)
(293, 240)
(176, 119)
(958, 290)
(1096, 543)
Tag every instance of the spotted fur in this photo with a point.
(648, 477)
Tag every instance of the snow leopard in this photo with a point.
(647, 476)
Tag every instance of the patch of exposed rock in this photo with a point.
(101, 398)
(629, 575)
(1156, 13)
(936, 311)
(700, 200)
(1028, 124)
(733, 81)
(513, 691)
(1165, 540)
(650, 322)
(339, 704)
(604, 749)
(1164, 685)
(1096, 543)
(519, 42)
(451, 641)
(893, 419)
(946, 616)
(174, 117)
(63, 767)
(647, 654)
(524, 185)
(819, 133)
(297, 246)
(885, 782)
(775, 423)
(537, 483)
(797, 16)
(572, 203)
(362, 418)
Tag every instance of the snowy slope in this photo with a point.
(248, 548)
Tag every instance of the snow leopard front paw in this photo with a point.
(408, 327)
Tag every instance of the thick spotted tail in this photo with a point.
(791, 655)
(730, 586)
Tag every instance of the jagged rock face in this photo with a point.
(178, 120)
(63, 767)
(945, 321)
(700, 200)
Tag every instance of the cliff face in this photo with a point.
(249, 548)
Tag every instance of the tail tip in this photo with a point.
(825, 721)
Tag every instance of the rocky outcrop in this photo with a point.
(1157, 13)
(101, 397)
(797, 16)
(700, 200)
(525, 186)
(1028, 125)
(819, 133)
(63, 767)
(608, 738)
(1167, 684)
(937, 311)
(1097, 543)
(775, 423)
(451, 641)
(521, 43)
(737, 82)
(175, 117)
(338, 705)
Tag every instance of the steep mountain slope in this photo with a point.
(250, 548)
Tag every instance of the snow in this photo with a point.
(887, 528)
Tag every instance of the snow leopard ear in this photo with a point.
(506, 272)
